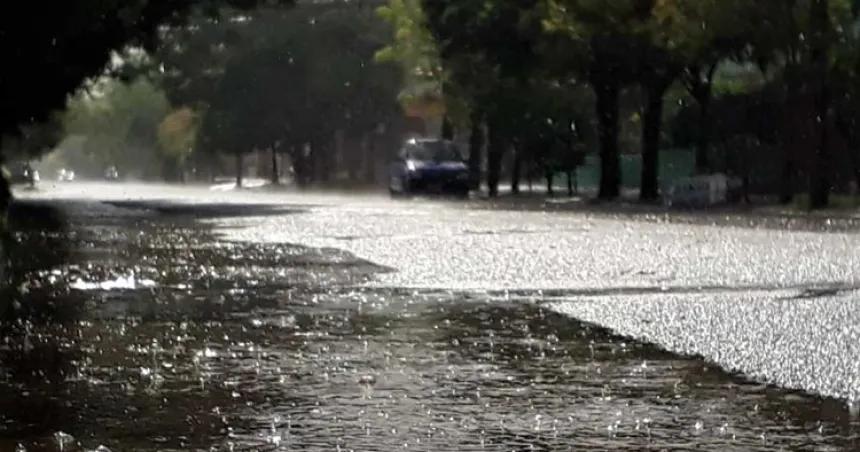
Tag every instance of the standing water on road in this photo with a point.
(135, 328)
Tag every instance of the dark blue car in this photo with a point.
(429, 166)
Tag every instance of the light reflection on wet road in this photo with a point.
(205, 344)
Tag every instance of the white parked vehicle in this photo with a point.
(64, 175)
(702, 191)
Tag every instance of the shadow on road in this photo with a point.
(744, 215)
(210, 210)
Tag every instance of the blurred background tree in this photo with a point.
(177, 139)
(616, 94)
(57, 46)
(118, 124)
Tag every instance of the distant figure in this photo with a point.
(111, 174)
(27, 170)
(30, 175)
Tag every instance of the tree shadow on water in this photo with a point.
(35, 245)
(167, 208)
(89, 287)
(35, 360)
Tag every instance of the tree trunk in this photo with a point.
(856, 190)
(651, 128)
(607, 92)
(352, 170)
(323, 158)
(789, 134)
(819, 187)
(786, 193)
(276, 175)
(516, 169)
(447, 128)
(819, 196)
(570, 183)
(239, 170)
(855, 163)
(702, 91)
(352, 157)
(572, 167)
(476, 146)
(369, 157)
(301, 166)
(846, 130)
(171, 170)
(495, 149)
(703, 163)
(549, 180)
(530, 175)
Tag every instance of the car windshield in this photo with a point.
(436, 151)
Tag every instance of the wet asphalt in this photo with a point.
(171, 318)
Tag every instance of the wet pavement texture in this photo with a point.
(733, 284)
(136, 325)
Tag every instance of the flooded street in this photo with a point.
(430, 225)
(172, 321)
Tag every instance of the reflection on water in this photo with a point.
(232, 346)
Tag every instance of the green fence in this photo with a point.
(674, 165)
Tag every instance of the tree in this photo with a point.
(120, 123)
(413, 48)
(488, 52)
(819, 60)
(608, 35)
(429, 80)
(297, 78)
(177, 138)
(56, 46)
(658, 75)
(845, 86)
(809, 40)
(707, 32)
(657, 69)
(686, 39)
(651, 44)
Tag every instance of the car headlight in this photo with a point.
(410, 166)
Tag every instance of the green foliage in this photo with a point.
(233, 79)
(57, 45)
(297, 76)
(700, 31)
(177, 135)
(412, 46)
(54, 47)
(488, 52)
(120, 123)
(430, 87)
